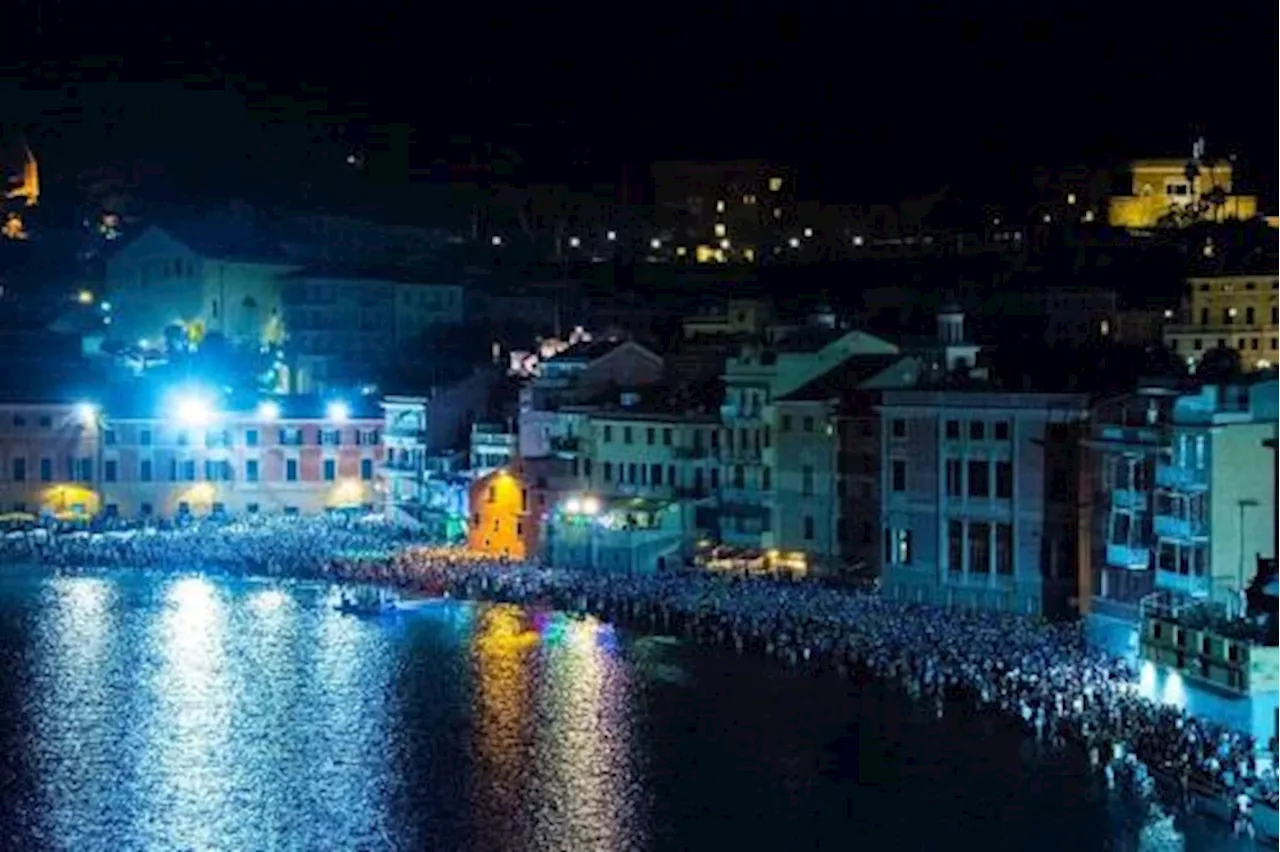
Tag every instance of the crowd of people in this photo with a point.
(1044, 675)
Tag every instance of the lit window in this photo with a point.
(1047, 218)
(857, 241)
(795, 242)
(496, 240)
(720, 229)
(681, 251)
(1088, 215)
(1071, 198)
(1104, 327)
(775, 184)
(719, 206)
(574, 242)
(655, 243)
(724, 244)
(749, 254)
(808, 232)
(611, 236)
(777, 212)
(748, 199)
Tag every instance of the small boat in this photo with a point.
(367, 605)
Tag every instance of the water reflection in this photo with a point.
(501, 649)
(76, 706)
(584, 741)
(190, 731)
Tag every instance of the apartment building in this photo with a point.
(826, 491)
(1240, 312)
(1161, 188)
(759, 374)
(302, 456)
(49, 458)
(979, 504)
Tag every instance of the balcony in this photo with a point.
(1128, 557)
(1130, 499)
(1184, 584)
(401, 467)
(1180, 529)
(1179, 478)
(565, 444)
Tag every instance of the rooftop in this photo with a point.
(845, 377)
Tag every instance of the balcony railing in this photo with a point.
(1184, 584)
(1129, 557)
(1128, 498)
(1180, 478)
(1180, 529)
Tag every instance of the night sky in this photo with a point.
(873, 107)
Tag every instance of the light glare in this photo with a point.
(339, 412)
(269, 410)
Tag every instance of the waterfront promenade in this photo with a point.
(1063, 692)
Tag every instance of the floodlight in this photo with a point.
(269, 410)
(590, 506)
(338, 411)
(87, 413)
(572, 506)
(192, 410)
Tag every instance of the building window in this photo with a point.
(1004, 480)
(650, 436)
(898, 428)
(189, 470)
(290, 470)
(806, 481)
(655, 474)
(144, 437)
(979, 548)
(808, 528)
(251, 437)
(46, 422)
(979, 483)
(897, 547)
(1004, 549)
(330, 470)
(608, 433)
(110, 470)
(977, 430)
(251, 470)
(19, 420)
(144, 470)
(109, 437)
(666, 437)
(807, 424)
(19, 470)
(784, 424)
(898, 475)
(955, 546)
(954, 477)
(953, 430)
(366, 469)
(775, 184)
(608, 472)
(766, 479)
(146, 509)
(626, 434)
(1249, 315)
(46, 470)
(1002, 430)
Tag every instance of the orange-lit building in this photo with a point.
(500, 516)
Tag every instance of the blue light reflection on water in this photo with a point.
(158, 712)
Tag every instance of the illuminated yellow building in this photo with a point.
(1230, 311)
(499, 503)
(1160, 189)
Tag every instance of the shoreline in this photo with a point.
(797, 644)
